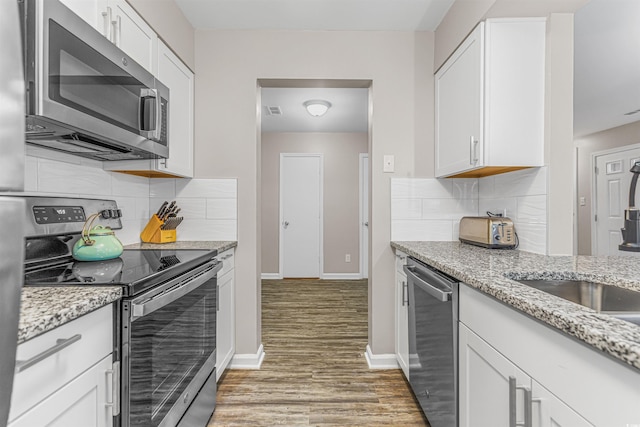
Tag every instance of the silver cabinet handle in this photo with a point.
(473, 150)
(117, 30)
(106, 23)
(23, 365)
(405, 294)
(528, 419)
(115, 388)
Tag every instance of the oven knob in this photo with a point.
(125, 62)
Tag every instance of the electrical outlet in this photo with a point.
(347, 258)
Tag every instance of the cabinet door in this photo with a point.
(484, 388)
(225, 323)
(549, 411)
(402, 323)
(132, 34)
(459, 106)
(82, 402)
(87, 10)
(179, 79)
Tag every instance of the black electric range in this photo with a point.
(136, 269)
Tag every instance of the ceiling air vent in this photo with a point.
(274, 111)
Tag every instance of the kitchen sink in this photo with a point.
(618, 302)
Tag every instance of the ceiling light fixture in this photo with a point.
(317, 107)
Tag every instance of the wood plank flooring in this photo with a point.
(314, 372)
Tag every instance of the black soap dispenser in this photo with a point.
(631, 230)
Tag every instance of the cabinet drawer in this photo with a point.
(228, 258)
(89, 338)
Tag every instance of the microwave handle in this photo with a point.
(145, 128)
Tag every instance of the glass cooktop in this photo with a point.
(131, 268)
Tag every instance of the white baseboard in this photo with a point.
(248, 361)
(341, 276)
(271, 276)
(380, 361)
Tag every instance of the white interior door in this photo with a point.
(611, 198)
(364, 215)
(300, 215)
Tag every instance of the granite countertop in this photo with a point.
(490, 271)
(45, 308)
(220, 246)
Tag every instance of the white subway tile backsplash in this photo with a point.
(532, 237)
(523, 182)
(207, 188)
(465, 188)
(448, 208)
(486, 187)
(193, 208)
(129, 185)
(57, 177)
(208, 205)
(162, 188)
(424, 229)
(532, 209)
(222, 209)
(406, 208)
(202, 229)
(498, 206)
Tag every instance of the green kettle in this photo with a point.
(96, 244)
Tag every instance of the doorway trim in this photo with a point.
(364, 248)
(594, 186)
(320, 157)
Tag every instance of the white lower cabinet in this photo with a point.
(65, 377)
(492, 389)
(225, 320)
(82, 402)
(565, 383)
(402, 315)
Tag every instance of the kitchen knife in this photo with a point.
(161, 210)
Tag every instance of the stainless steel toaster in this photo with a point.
(488, 231)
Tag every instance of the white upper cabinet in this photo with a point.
(173, 73)
(119, 22)
(127, 30)
(489, 100)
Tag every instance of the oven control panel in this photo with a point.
(58, 214)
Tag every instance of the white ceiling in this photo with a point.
(348, 112)
(345, 15)
(607, 65)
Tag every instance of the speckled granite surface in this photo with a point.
(490, 271)
(44, 308)
(220, 246)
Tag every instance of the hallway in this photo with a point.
(314, 372)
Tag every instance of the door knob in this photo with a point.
(366, 224)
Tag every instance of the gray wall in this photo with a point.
(341, 195)
(228, 67)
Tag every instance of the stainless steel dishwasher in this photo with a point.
(433, 342)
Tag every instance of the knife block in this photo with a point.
(152, 232)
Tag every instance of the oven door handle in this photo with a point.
(156, 302)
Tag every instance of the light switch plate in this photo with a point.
(389, 163)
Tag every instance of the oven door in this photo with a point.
(168, 349)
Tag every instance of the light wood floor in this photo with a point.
(314, 372)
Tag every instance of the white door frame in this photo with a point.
(594, 193)
(364, 249)
(320, 156)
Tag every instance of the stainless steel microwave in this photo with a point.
(84, 95)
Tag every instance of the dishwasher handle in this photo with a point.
(430, 282)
